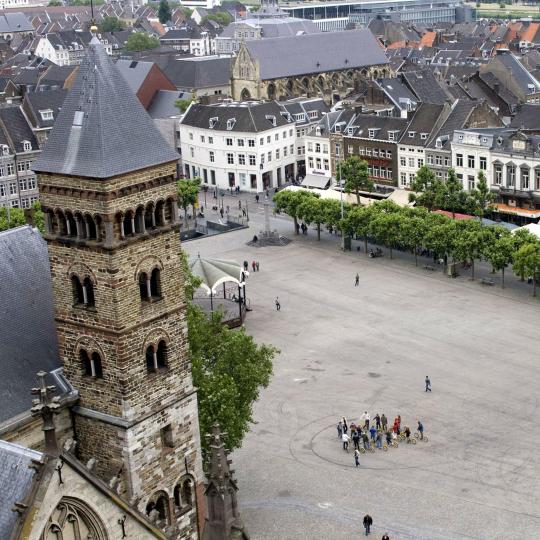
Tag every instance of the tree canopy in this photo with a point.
(188, 194)
(183, 104)
(354, 172)
(221, 17)
(290, 201)
(141, 41)
(111, 24)
(229, 369)
(164, 12)
(15, 217)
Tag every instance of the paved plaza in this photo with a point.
(347, 349)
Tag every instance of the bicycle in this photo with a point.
(417, 436)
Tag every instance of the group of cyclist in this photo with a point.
(375, 432)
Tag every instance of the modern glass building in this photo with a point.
(335, 15)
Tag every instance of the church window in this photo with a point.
(91, 364)
(150, 285)
(167, 436)
(83, 292)
(156, 357)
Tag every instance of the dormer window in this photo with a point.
(5, 150)
(47, 114)
(423, 136)
(230, 123)
(313, 115)
(27, 146)
(212, 122)
(350, 130)
(438, 143)
(271, 119)
(412, 134)
(460, 136)
(300, 117)
(391, 135)
(372, 132)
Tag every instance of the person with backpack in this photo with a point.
(356, 439)
(373, 432)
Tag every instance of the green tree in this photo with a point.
(527, 262)
(223, 18)
(498, 249)
(440, 236)
(333, 212)
(427, 188)
(164, 12)
(313, 210)
(354, 171)
(183, 104)
(111, 24)
(386, 227)
(468, 242)
(11, 218)
(229, 369)
(141, 41)
(188, 194)
(521, 237)
(357, 222)
(412, 233)
(452, 197)
(289, 201)
(55, 3)
(481, 197)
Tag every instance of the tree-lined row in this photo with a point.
(417, 230)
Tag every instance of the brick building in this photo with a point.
(108, 188)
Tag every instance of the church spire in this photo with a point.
(102, 129)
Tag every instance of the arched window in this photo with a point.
(139, 220)
(129, 224)
(155, 283)
(187, 493)
(91, 231)
(88, 292)
(149, 217)
(177, 500)
(160, 214)
(78, 296)
(156, 359)
(144, 288)
(160, 505)
(91, 364)
(71, 225)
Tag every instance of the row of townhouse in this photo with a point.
(510, 160)
(251, 145)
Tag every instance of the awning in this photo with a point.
(401, 197)
(316, 181)
(523, 212)
(214, 272)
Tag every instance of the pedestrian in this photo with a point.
(356, 458)
(368, 522)
(356, 439)
(367, 420)
(253, 266)
(267, 192)
(357, 280)
(428, 384)
(221, 212)
(408, 434)
(377, 421)
(278, 305)
(388, 437)
(363, 418)
(345, 427)
(379, 439)
(339, 429)
(245, 265)
(257, 198)
(345, 438)
(420, 429)
(385, 537)
(257, 265)
(373, 432)
(244, 212)
(239, 205)
(384, 422)
(365, 440)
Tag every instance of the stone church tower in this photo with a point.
(107, 182)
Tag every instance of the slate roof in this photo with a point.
(459, 114)
(102, 129)
(425, 86)
(163, 103)
(15, 22)
(305, 105)
(16, 478)
(424, 121)
(56, 75)
(397, 92)
(383, 124)
(27, 332)
(527, 116)
(251, 117)
(273, 28)
(519, 73)
(15, 125)
(42, 101)
(205, 72)
(134, 72)
(315, 53)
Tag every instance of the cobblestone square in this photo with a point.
(347, 349)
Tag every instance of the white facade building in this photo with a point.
(471, 153)
(250, 145)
